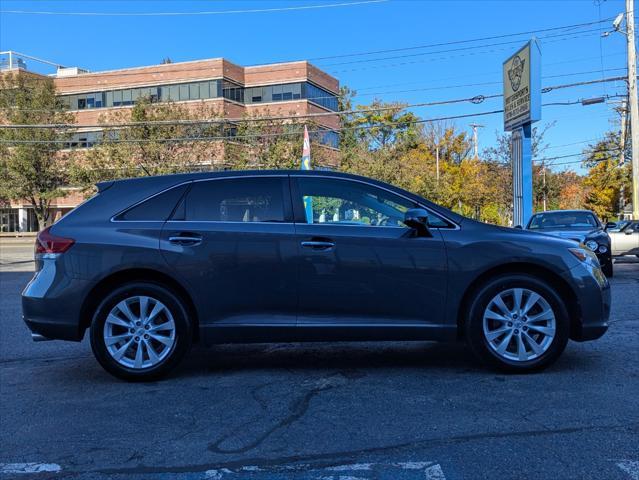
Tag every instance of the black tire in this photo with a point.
(607, 268)
(183, 331)
(474, 332)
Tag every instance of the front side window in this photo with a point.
(345, 202)
(237, 200)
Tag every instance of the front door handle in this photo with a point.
(186, 239)
(318, 245)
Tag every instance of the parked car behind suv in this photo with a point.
(582, 226)
(150, 265)
(625, 241)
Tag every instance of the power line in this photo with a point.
(458, 42)
(475, 99)
(261, 135)
(167, 14)
(287, 65)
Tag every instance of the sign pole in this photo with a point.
(522, 107)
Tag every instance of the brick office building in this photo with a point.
(229, 90)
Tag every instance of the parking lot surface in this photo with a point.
(309, 411)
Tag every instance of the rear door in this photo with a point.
(359, 264)
(232, 240)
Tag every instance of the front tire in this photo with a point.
(140, 331)
(517, 323)
(607, 269)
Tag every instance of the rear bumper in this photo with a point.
(52, 301)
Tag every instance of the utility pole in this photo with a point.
(437, 163)
(634, 104)
(475, 126)
(543, 181)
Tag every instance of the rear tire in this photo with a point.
(517, 323)
(140, 331)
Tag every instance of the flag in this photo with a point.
(306, 165)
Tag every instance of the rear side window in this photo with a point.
(157, 208)
(237, 200)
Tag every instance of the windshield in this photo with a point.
(563, 220)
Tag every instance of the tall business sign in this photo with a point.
(522, 107)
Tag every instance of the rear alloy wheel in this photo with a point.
(140, 331)
(517, 323)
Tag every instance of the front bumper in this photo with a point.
(592, 291)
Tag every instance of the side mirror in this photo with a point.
(417, 219)
(519, 227)
(610, 225)
(629, 231)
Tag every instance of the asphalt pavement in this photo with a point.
(341, 411)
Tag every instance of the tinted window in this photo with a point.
(237, 200)
(344, 202)
(156, 208)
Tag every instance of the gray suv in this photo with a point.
(151, 265)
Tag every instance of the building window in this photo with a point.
(204, 90)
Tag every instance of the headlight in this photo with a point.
(603, 249)
(584, 255)
(592, 245)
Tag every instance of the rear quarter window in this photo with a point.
(157, 208)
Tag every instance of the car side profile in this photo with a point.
(151, 265)
(625, 240)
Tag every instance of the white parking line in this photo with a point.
(630, 467)
(348, 471)
(32, 467)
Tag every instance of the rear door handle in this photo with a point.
(317, 245)
(185, 239)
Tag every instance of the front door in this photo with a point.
(232, 240)
(359, 264)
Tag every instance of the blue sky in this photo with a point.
(109, 42)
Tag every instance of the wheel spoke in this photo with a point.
(157, 308)
(517, 298)
(117, 321)
(533, 344)
(495, 334)
(144, 303)
(170, 325)
(162, 339)
(503, 345)
(501, 305)
(548, 331)
(545, 315)
(116, 338)
(120, 351)
(522, 354)
(139, 356)
(124, 308)
(532, 299)
(492, 315)
(153, 356)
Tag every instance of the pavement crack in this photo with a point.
(297, 410)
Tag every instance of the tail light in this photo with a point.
(46, 242)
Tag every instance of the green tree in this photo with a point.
(606, 177)
(32, 163)
(152, 148)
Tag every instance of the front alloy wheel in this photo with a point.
(519, 324)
